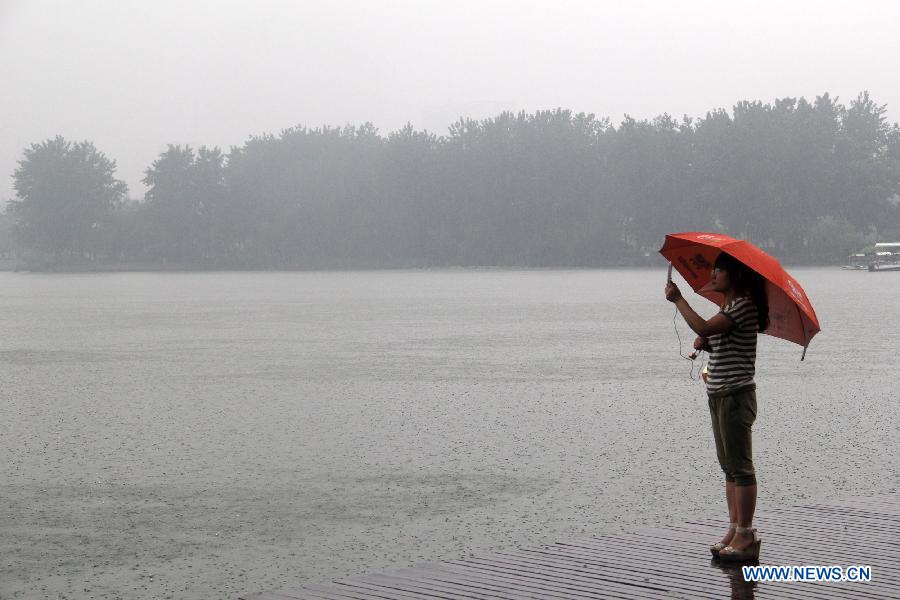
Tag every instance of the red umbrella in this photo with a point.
(791, 315)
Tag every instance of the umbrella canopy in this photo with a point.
(791, 315)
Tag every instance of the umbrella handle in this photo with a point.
(669, 274)
(805, 339)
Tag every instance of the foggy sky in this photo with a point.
(134, 76)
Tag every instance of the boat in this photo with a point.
(857, 261)
(886, 257)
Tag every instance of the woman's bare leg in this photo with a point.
(745, 503)
(732, 510)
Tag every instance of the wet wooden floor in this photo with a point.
(855, 531)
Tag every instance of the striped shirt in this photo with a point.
(732, 356)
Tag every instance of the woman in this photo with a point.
(730, 339)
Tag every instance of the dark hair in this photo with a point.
(748, 281)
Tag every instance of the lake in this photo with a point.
(198, 435)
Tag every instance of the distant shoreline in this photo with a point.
(12, 266)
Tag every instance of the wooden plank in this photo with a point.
(419, 585)
(782, 543)
(844, 531)
(276, 596)
(609, 566)
(510, 585)
(722, 583)
(794, 536)
(838, 516)
(366, 588)
(549, 581)
(778, 558)
(833, 536)
(495, 587)
(888, 505)
(833, 556)
(710, 578)
(519, 581)
(335, 592)
(714, 564)
(423, 589)
(839, 513)
(608, 570)
(413, 575)
(863, 544)
(629, 561)
(589, 580)
(839, 521)
(698, 575)
(538, 587)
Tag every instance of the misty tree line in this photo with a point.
(810, 181)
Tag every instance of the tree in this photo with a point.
(804, 180)
(66, 194)
(183, 205)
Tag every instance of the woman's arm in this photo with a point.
(719, 323)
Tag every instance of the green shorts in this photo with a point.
(733, 414)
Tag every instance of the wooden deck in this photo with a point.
(856, 531)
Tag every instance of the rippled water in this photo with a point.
(209, 434)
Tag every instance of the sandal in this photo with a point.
(719, 546)
(750, 553)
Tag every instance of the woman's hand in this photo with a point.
(673, 294)
(700, 343)
(720, 323)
